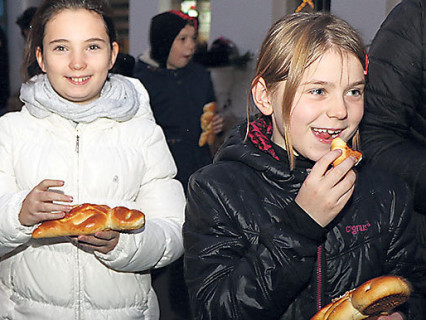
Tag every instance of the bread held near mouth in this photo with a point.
(376, 297)
(90, 218)
(339, 143)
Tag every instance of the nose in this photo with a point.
(77, 61)
(191, 44)
(337, 109)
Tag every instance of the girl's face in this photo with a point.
(329, 103)
(77, 54)
(183, 48)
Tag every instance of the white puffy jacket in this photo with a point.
(106, 162)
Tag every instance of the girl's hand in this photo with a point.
(38, 206)
(217, 123)
(393, 316)
(102, 241)
(326, 191)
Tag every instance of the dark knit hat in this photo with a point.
(163, 31)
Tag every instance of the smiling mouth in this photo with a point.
(79, 80)
(326, 134)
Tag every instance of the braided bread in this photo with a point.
(90, 218)
(207, 135)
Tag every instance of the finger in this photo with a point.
(217, 129)
(346, 181)
(43, 216)
(49, 183)
(90, 240)
(46, 207)
(344, 198)
(106, 235)
(89, 247)
(51, 196)
(342, 192)
(322, 165)
(336, 174)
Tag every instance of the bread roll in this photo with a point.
(321, 314)
(207, 134)
(339, 143)
(91, 218)
(345, 310)
(381, 294)
(378, 296)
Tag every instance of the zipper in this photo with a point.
(78, 256)
(77, 144)
(319, 277)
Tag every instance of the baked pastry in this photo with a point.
(376, 297)
(339, 143)
(207, 134)
(90, 218)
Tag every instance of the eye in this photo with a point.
(94, 47)
(59, 48)
(355, 92)
(317, 91)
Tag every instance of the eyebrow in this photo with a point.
(88, 40)
(323, 83)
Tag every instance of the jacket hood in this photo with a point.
(163, 30)
(258, 151)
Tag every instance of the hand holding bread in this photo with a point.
(42, 203)
(374, 298)
(88, 218)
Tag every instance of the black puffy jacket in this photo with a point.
(252, 253)
(393, 131)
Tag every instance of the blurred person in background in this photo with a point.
(178, 88)
(393, 131)
(4, 71)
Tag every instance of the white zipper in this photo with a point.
(77, 144)
(78, 257)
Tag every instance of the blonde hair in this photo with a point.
(291, 45)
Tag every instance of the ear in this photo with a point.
(40, 59)
(260, 96)
(114, 52)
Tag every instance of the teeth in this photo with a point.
(333, 133)
(79, 79)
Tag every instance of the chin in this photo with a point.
(82, 100)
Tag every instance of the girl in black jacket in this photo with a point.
(272, 230)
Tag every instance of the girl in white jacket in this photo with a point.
(83, 136)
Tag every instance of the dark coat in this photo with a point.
(4, 72)
(177, 98)
(252, 253)
(393, 131)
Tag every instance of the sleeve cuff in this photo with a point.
(302, 223)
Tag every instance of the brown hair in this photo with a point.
(45, 12)
(291, 45)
